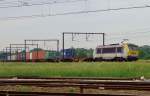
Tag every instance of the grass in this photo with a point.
(99, 69)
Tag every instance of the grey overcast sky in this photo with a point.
(118, 25)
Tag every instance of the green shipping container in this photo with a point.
(51, 55)
(84, 53)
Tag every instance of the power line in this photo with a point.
(24, 4)
(73, 13)
(7, 2)
(129, 36)
(135, 33)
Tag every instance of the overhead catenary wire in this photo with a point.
(24, 4)
(78, 12)
(6, 3)
(129, 37)
(131, 32)
(132, 35)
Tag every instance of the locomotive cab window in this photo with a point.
(98, 50)
(119, 49)
(109, 50)
(133, 47)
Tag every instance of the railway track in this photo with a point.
(13, 93)
(74, 78)
(95, 83)
(81, 83)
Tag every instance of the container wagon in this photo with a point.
(52, 56)
(83, 54)
(76, 55)
(38, 56)
(3, 56)
(21, 56)
(14, 57)
(27, 57)
(67, 55)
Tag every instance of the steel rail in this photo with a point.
(82, 84)
(85, 86)
(78, 81)
(74, 78)
(13, 93)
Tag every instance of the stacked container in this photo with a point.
(52, 55)
(19, 56)
(14, 57)
(8, 57)
(30, 56)
(79, 54)
(27, 56)
(84, 54)
(69, 54)
(38, 55)
(3, 56)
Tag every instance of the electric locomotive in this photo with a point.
(116, 52)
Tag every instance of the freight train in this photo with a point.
(39, 55)
(112, 52)
(78, 54)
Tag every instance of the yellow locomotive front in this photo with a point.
(132, 53)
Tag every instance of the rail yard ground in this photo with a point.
(73, 69)
(6, 89)
(73, 87)
(27, 85)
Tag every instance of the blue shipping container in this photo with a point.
(68, 53)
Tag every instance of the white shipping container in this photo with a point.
(30, 55)
(14, 57)
(8, 58)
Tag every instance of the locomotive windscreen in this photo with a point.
(133, 47)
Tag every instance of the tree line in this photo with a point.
(144, 52)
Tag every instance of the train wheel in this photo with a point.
(119, 59)
(98, 59)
